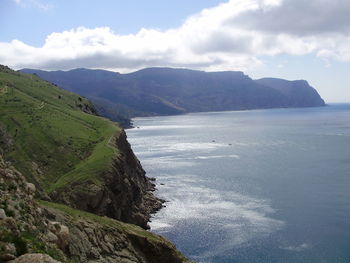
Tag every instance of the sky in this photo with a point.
(291, 39)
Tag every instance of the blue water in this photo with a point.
(252, 186)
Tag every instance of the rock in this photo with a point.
(53, 226)
(13, 211)
(9, 173)
(64, 231)
(51, 237)
(94, 253)
(30, 188)
(11, 223)
(39, 211)
(2, 214)
(61, 232)
(10, 249)
(63, 237)
(34, 258)
(7, 257)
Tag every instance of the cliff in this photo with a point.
(72, 156)
(124, 192)
(39, 231)
(53, 148)
(298, 92)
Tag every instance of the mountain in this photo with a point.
(166, 91)
(66, 177)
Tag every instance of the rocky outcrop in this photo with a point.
(6, 140)
(23, 228)
(48, 232)
(105, 240)
(34, 258)
(126, 194)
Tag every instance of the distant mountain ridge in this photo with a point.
(168, 91)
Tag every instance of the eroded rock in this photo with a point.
(34, 258)
(2, 214)
(30, 188)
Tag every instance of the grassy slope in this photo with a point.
(103, 220)
(49, 131)
(128, 229)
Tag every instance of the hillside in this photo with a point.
(34, 231)
(166, 91)
(71, 156)
(57, 158)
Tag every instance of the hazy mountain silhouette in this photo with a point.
(166, 91)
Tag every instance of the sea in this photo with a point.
(251, 186)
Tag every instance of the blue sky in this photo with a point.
(31, 21)
(292, 39)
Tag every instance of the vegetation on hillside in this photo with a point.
(33, 230)
(48, 135)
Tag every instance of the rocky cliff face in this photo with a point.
(103, 240)
(48, 232)
(22, 226)
(126, 194)
(298, 93)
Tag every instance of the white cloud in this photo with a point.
(230, 36)
(298, 17)
(40, 4)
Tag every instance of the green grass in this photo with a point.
(78, 214)
(28, 242)
(47, 129)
